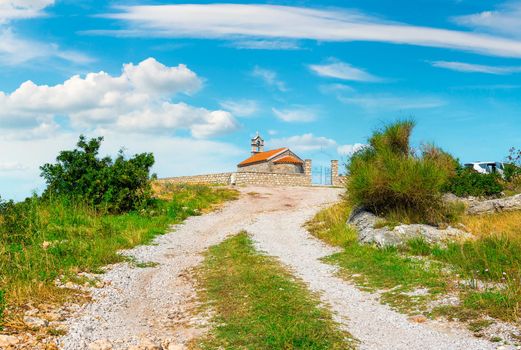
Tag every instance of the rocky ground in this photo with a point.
(152, 307)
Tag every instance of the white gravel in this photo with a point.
(156, 302)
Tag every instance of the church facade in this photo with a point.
(280, 160)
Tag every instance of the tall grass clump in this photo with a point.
(389, 178)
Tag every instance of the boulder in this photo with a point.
(365, 222)
(478, 207)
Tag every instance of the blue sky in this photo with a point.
(192, 83)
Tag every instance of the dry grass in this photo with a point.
(507, 223)
(329, 225)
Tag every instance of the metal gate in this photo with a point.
(321, 175)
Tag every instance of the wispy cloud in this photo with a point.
(305, 142)
(505, 20)
(226, 21)
(22, 9)
(381, 102)
(296, 114)
(266, 44)
(16, 49)
(241, 108)
(475, 68)
(270, 78)
(341, 70)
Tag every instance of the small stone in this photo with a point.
(147, 344)
(35, 322)
(70, 285)
(100, 344)
(46, 245)
(418, 318)
(7, 340)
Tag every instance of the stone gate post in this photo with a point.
(307, 170)
(334, 173)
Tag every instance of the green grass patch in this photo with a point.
(257, 304)
(58, 237)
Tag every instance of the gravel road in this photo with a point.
(156, 302)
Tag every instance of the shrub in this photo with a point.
(387, 178)
(467, 182)
(118, 185)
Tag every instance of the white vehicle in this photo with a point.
(486, 167)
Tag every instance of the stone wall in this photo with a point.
(244, 178)
(272, 179)
(217, 179)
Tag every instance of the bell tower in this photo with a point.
(257, 144)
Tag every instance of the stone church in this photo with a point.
(281, 160)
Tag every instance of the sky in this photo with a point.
(193, 82)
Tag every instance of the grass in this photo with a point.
(490, 266)
(60, 238)
(257, 304)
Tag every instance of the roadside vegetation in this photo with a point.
(481, 277)
(255, 303)
(484, 274)
(91, 209)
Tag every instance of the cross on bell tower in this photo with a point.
(257, 144)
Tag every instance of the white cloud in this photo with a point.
(269, 77)
(241, 108)
(341, 70)
(335, 88)
(506, 20)
(227, 21)
(305, 142)
(349, 150)
(475, 68)
(137, 100)
(296, 114)
(266, 44)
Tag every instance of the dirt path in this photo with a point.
(155, 302)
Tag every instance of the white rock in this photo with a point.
(7, 340)
(100, 344)
(35, 322)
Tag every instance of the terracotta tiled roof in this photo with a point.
(261, 156)
(288, 160)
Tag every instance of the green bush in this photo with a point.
(118, 185)
(467, 182)
(388, 179)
